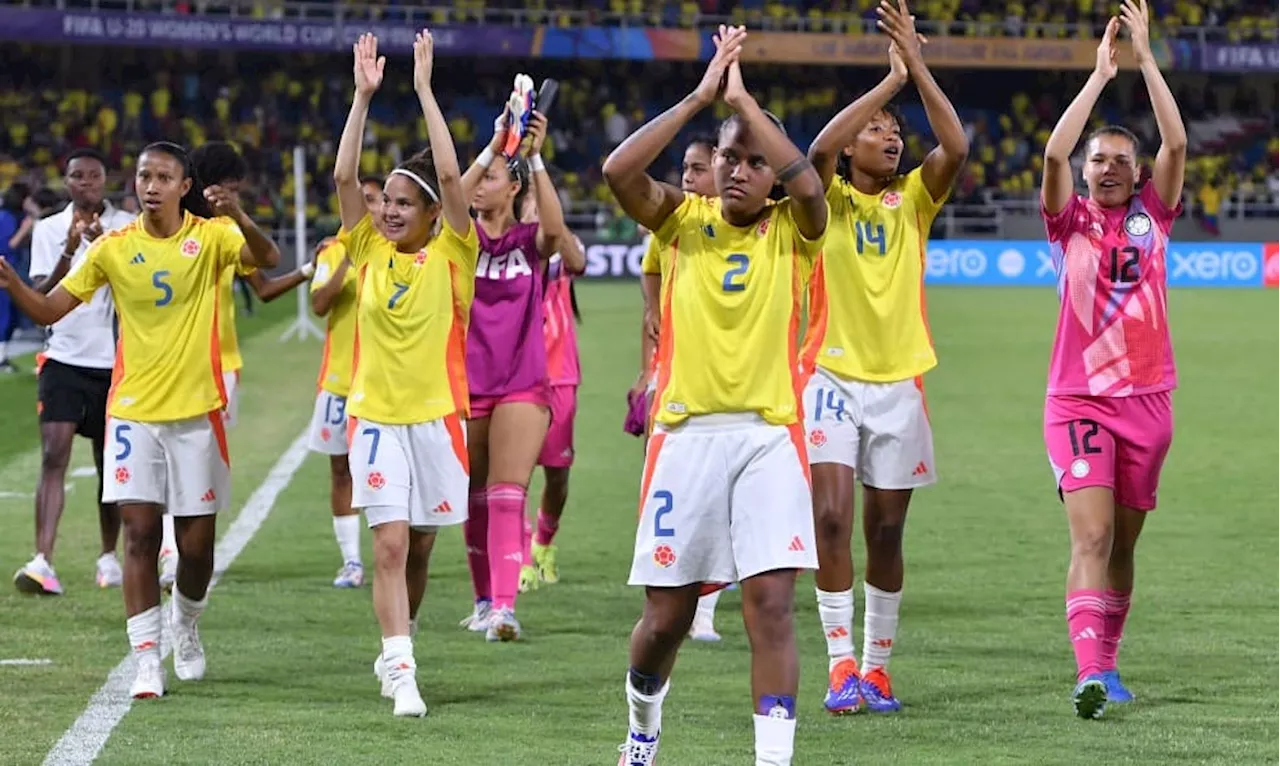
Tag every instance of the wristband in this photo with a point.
(536, 165)
(486, 158)
(67, 256)
(307, 269)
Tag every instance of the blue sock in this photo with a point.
(769, 705)
(650, 685)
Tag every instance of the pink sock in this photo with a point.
(1116, 603)
(476, 532)
(506, 533)
(1086, 626)
(547, 528)
(526, 539)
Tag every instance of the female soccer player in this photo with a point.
(866, 348)
(1108, 418)
(166, 449)
(75, 376)
(564, 373)
(416, 272)
(333, 295)
(725, 490)
(507, 368)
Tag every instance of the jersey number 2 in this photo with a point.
(740, 263)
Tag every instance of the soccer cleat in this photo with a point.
(877, 692)
(1116, 691)
(404, 690)
(1090, 697)
(351, 575)
(528, 578)
(844, 688)
(639, 750)
(168, 569)
(503, 626)
(478, 620)
(703, 629)
(109, 573)
(384, 678)
(37, 578)
(544, 558)
(149, 681)
(188, 653)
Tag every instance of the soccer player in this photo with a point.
(217, 163)
(75, 376)
(564, 373)
(1108, 418)
(866, 349)
(507, 367)
(416, 274)
(333, 295)
(167, 448)
(725, 491)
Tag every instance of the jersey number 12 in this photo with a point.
(1124, 264)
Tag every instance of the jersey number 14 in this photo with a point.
(869, 234)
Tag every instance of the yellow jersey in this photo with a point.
(651, 263)
(168, 361)
(227, 337)
(340, 335)
(867, 317)
(411, 325)
(732, 299)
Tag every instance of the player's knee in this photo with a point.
(769, 614)
(55, 455)
(390, 551)
(142, 539)
(831, 525)
(340, 472)
(1092, 543)
(885, 536)
(557, 482)
(418, 551)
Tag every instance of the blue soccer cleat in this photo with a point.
(844, 688)
(1116, 691)
(1090, 697)
(877, 692)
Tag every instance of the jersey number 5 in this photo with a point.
(166, 292)
(740, 263)
(869, 234)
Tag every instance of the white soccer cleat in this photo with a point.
(384, 678)
(404, 690)
(638, 750)
(503, 626)
(38, 577)
(149, 682)
(109, 573)
(703, 629)
(168, 569)
(188, 653)
(351, 575)
(478, 620)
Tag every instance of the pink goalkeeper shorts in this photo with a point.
(557, 448)
(1115, 442)
(483, 406)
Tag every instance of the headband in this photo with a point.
(417, 179)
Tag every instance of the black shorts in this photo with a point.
(69, 394)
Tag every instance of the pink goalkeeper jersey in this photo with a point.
(505, 350)
(559, 329)
(1113, 329)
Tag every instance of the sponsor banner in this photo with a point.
(30, 25)
(1271, 265)
(1240, 57)
(1014, 262)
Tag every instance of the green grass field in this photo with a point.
(982, 662)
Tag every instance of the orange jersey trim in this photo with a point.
(458, 440)
(455, 354)
(819, 316)
(666, 335)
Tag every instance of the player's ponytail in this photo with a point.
(193, 201)
(518, 169)
(573, 303)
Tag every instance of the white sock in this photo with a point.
(4, 350)
(185, 610)
(397, 655)
(835, 608)
(775, 740)
(346, 529)
(645, 710)
(170, 541)
(879, 627)
(707, 606)
(144, 634)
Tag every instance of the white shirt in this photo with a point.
(84, 337)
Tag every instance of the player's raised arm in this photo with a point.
(1171, 159)
(1056, 189)
(794, 171)
(259, 250)
(553, 235)
(825, 149)
(943, 164)
(43, 309)
(454, 203)
(346, 167)
(647, 201)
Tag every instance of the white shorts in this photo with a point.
(181, 465)
(880, 430)
(723, 497)
(231, 382)
(329, 425)
(416, 473)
